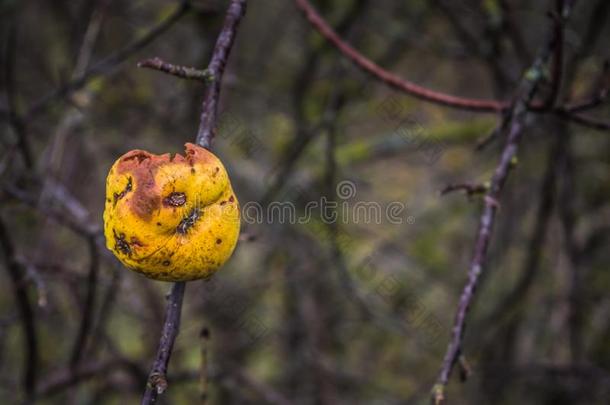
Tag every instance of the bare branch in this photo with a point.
(180, 71)
(391, 79)
(405, 86)
(516, 126)
(216, 68)
(157, 379)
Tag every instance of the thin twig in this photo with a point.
(423, 93)
(495, 134)
(182, 72)
(157, 379)
(216, 68)
(390, 78)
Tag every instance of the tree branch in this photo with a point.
(391, 79)
(516, 125)
(182, 72)
(157, 380)
(216, 68)
(423, 93)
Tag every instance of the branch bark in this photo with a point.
(391, 79)
(216, 68)
(157, 380)
(436, 97)
(516, 126)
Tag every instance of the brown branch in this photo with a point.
(182, 72)
(31, 357)
(216, 68)
(157, 380)
(528, 89)
(405, 86)
(391, 79)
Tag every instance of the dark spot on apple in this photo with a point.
(175, 199)
(128, 188)
(136, 242)
(188, 221)
(121, 244)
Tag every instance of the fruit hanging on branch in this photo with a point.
(171, 218)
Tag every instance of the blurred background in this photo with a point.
(351, 311)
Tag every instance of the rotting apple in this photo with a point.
(171, 218)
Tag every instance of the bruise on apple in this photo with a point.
(143, 166)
